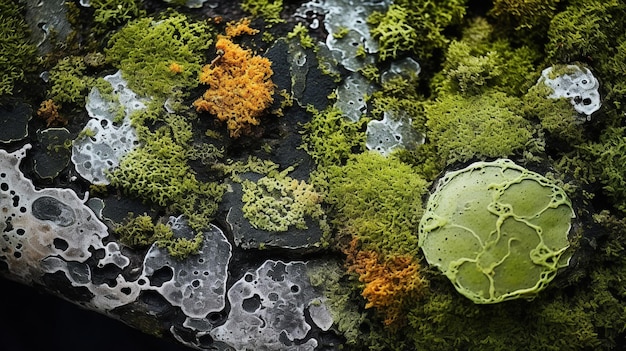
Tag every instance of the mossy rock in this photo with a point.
(497, 230)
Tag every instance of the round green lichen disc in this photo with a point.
(497, 230)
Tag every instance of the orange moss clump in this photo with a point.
(234, 29)
(390, 283)
(49, 112)
(240, 87)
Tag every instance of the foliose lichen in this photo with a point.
(497, 230)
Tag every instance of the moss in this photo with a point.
(18, 55)
(524, 13)
(393, 32)
(330, 138)
(268, 9)
(111, 14)
(604, 162)
(145, 48)
(421, 22)
(477, 63)
(158, 172)
(141, 231)
(378, 201)
(557, 116)
(488, 125)
(70, 82)
(302, 33)
(585, 30)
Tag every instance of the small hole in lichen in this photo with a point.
(248, 278)
(126, 290)
(294, 289)
(195, 283)
(17, 254)
(60, 244)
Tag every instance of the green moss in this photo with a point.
(70, 84)
(279, 202)
(378, 201)
(110, 14)
(422, 23)
(332, 280)
(140, 231)
(393, 31)
(18, 55)
(146, 48)
(158, 172)
(605, 162)
(330, 138)
(524, 13)
(477, 63)
(488, 125)
(586, 30)
(268, 9)
(557, 116)
(302, 33)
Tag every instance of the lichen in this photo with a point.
(497, 230)
(240, 87)
(276, 203)
(269, 10)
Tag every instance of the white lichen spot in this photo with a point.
(575, 83)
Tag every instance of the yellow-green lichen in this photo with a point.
(277, 203)
(497, 230)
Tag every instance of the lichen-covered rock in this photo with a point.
(497, 230)
(575, 83)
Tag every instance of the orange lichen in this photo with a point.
(390, 282)
(237, 28)
(175, 68)
(49, 112)
(240, 87)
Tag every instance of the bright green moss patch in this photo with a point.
(330, 138)
(497, 231)
(158, 57)
(416, 26)
(487, 125)
(477, 63)
(70, 84)
(110, 14)
(378, 201)
(17, 54)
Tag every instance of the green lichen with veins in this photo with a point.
(18, 54)
(278, 202)
(497, 230)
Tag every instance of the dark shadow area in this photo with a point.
(32, 320)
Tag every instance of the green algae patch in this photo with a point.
(497, 230)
